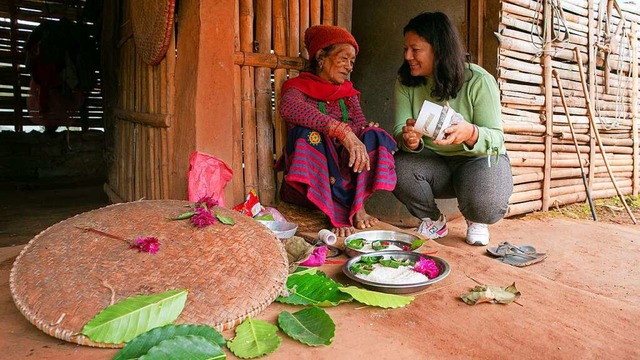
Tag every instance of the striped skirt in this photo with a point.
(317, 173)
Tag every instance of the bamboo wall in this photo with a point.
(546, 169)
(22, 17)
(269, 49)
(140, 120)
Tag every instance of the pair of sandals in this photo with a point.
(516, 255)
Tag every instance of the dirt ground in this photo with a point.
(580, 302)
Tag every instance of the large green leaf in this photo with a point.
(313, 289)
(254, 338)
(190, 347)
(131, 317)
(141, 344)
(374, 298)
(311, 326)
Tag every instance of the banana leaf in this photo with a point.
(141, 344)
(313, 289)
(133, 316)
(311, 326)
(374, 298)
(190, 347)
(254, 338)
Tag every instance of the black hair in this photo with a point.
(449, 54)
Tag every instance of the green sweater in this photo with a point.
(478, 102)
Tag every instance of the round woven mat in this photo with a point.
(65, 276)
(152, 23)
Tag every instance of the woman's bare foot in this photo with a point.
(362, 220)
(343, 231)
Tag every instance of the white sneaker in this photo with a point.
(477, 234)
(433, 229)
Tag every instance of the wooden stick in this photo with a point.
(575, 143)
(597, 134)
(634, 104)
(548, 102)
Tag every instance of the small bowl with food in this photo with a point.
(282, 229)
(380, 240)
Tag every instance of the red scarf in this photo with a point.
(319, 88)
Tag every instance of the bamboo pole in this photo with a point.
(327, 12)
(575, 143)
(591, 58)
(249, 125)
(548, 96)
(266, 180)
(598, 141)
(304, 25)
(633, 37)
(315, 9)
(268, 60)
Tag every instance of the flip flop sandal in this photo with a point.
(506, 248)
(521, 260)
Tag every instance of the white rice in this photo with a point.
(367, 248)
(388, 275)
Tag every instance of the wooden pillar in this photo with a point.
(15, 67)
(344, 11)
(548, 109)
(476, 30)
(204, 102)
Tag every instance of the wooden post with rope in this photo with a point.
(591, 117)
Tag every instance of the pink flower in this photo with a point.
(202, 217)
(207, 201)
(427, 267)
(148, 244)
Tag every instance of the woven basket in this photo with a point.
(152, 23)
(65, 276)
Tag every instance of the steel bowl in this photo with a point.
(442, 265)
(282, 229)
(396, 238)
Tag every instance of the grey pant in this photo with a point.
(483, 192)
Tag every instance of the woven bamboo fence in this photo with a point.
(141, 122)
(545, 164)
(269, 51)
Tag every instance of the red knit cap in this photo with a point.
(319, 37)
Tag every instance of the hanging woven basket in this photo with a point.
(152, 22)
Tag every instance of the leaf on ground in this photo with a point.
(225, 219)
(311, 326)
(491, 293)
(133, 316)
(254, 338)
(141, 344)
(190, 347)
(374, 298)
(308, 289)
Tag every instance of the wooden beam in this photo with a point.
(548, 111)
(144, 118)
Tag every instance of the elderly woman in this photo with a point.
(333, 159)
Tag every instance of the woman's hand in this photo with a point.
(411, 137)
(461, 132)
(358, 156)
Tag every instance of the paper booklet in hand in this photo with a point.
(433, 119)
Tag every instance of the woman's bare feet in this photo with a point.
(343, 231)
(362, 220)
